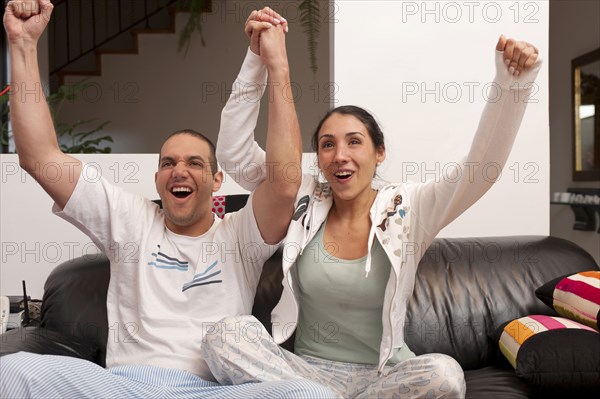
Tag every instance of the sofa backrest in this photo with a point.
(465, 289)
(74, 302)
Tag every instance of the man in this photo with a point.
(188, 270)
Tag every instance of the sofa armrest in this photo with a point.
(47, 342)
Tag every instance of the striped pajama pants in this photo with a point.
(239, 350)
(27, 375)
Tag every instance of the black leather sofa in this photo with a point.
(465, 289)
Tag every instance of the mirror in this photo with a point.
(586, 116)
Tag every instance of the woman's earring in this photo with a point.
(318, 174)
(321, 176)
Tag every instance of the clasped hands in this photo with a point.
(266, 30)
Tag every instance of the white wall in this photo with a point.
(33, 240)
(383, 46)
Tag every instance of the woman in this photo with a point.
(353, 246)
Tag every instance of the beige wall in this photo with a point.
(149, 95)
(575, 30)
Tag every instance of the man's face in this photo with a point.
(185, 184)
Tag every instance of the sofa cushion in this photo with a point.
(576, 297)
(552, 352)
(498, 381)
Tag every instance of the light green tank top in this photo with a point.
(341, 309)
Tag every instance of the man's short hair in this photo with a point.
(212, 160)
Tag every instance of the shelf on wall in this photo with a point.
(585, 214)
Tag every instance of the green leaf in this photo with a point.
(195, 8)
(310, 16)
(79, 131)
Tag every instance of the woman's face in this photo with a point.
(347, 156)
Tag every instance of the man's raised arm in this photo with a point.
(33, 130)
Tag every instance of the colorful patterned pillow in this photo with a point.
(576, 297)
(552, 352)
(218, 207)
(222, 204)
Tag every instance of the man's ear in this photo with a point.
(217, 181)
(155, 178)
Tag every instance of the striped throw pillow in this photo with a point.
(552, 352)
(576, 297)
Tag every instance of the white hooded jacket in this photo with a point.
(405, 217)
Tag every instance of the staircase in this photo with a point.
(82, 31)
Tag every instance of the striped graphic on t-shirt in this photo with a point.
(204, 278)
(163, 261)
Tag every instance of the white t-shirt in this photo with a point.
(166, 290)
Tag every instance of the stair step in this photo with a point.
(164, 22)
(153, 30)
(89, 62)
(80, 73)
(101, 52)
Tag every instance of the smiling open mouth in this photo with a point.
(343, 175)
(181, 192)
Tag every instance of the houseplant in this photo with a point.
(76, 137)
